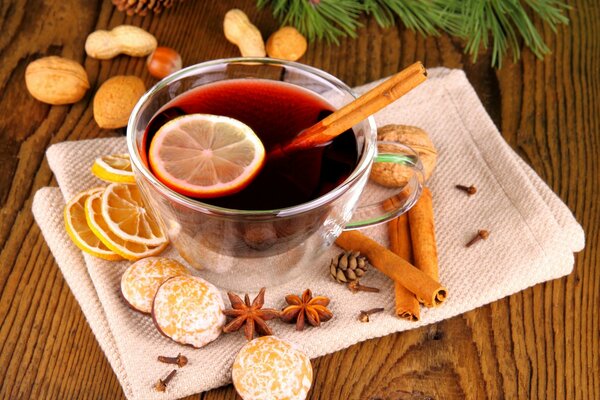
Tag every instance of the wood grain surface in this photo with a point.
(542, 343)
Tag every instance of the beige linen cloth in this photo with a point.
(533, 238)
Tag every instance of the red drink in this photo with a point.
(276, 112)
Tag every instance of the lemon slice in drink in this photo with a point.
(79, 231)
(201, 155)
(126, 249)
(114, 168)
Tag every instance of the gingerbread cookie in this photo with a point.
(271, 368)
(189, 310)
(141, 280)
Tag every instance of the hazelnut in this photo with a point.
(287, 44)
(393, 175)
(163, 61)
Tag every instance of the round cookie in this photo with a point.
(141, 280)
(271, 368)
(188, 310)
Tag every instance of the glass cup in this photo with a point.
(249, 249)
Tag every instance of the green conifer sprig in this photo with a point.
(501, 24)
(326, 20)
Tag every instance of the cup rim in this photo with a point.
(362, 165)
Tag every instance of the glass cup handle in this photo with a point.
(391, 202)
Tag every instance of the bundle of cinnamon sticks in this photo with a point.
(411, 261)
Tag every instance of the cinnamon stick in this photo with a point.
(407, 305)
(400, 240)
(395, 267)
(422, 232)
(352, 113)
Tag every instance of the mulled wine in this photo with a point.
(276, 112)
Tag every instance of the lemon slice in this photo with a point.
(114, 168)
(126, 249)
(124, 212)
(201, 155)
(79, 231)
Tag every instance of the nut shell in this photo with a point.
(56, 80)
(393, 175)
(287, 44)
(188, 310)
(239, 30)
(123, 39)
(115, 100)
(271, 368)
(141, 280)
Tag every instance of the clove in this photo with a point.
(161, 385)
(471, 190)
(180, 360)
(364, 315)
(481, 234)
(355, 286)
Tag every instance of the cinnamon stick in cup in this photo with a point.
(422, 232)
(407, 305)
(395, 267)
(361, 108)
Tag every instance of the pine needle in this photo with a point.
(500, 24)
(329, 19)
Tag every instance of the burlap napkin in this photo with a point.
(533, 237)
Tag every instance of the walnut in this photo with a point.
(394, 175)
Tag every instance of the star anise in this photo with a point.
(307, 308)
(252, 316)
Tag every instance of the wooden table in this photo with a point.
(540, 343)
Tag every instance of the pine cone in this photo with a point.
(348, 266)
(141, 7)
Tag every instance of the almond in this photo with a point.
(115, 100)
(286, 44)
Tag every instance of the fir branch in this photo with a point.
(326, 19)
(501, 24)
(551, 11)
(426, 17)
(505, 22)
